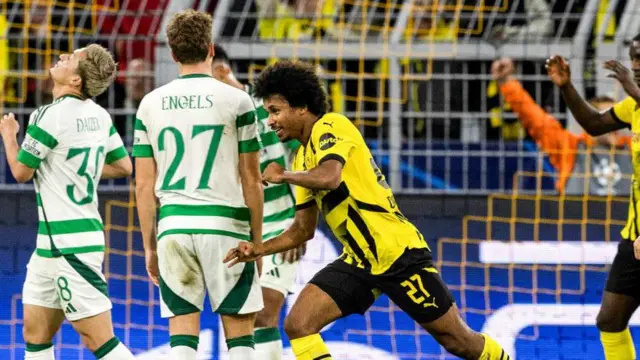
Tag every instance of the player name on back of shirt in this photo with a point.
(181, 102)
(88, 124)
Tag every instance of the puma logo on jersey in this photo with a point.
(327, 140)
(330, 124)
(70, 309)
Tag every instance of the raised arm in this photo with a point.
(594, 123)
(23, 163)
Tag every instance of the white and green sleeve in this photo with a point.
(141, 144)
(247, 125)
(115, 147)
(40, 139)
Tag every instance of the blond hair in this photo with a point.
(97, 70)
(189, 36)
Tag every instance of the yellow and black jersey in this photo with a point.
(361, 212)
(627, 111)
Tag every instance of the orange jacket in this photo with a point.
(559, 144)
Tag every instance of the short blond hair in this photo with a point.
(97, 70)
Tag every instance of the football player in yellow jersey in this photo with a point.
(335, 174)
(622, 291)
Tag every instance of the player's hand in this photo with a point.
(293, 255)
(502, 70)
(273, 174)
(558, 70)
(9, 127)
(245, 252)
(151, 260)
(636, 248)
(624, 76)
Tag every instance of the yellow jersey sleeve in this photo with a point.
(623, 111)
(333, 138)
(304, 196)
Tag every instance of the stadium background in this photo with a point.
(525, 264)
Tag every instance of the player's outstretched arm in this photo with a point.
(146, 205)
(326, 176)
(593, 122)
(253, 192)
(302, 229)
(9, 128)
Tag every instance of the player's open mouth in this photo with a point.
(278, 131)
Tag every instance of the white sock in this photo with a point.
(242, 348)
(183, 353)
(113, 350)
(268, 344)
(39, 352)
(183, 347)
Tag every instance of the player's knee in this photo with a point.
(267, 318)
(92, 340)
(297, 326)
(608, 322)
(35, 333)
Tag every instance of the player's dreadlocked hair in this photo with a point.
(297, 82)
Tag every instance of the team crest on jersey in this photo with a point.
(327, 140)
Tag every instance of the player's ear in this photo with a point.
(211, 51)
(76, 81)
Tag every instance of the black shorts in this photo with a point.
(411, 282)
(624, 277)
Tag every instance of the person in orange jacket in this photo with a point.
(596, 165)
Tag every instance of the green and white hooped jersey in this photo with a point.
(68, 142)
(279, 201)
(195, 128)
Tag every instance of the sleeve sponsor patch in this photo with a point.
(32, 146)
(327, 141)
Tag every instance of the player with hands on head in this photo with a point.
(279, 270)
(69, 146)
(621, 296)
(197, 151)
(335, 173)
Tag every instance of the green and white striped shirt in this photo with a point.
(68, 142)
(279, 200)
(195, 128)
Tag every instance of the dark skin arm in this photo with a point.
(593, 122)
(302, 230)
(326, 176)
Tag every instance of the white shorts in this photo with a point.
(191, 265)
(278, 274)
(73, 283)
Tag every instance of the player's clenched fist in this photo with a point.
(245, 252)
(273, 173)
(9, 127)
(558, 70)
